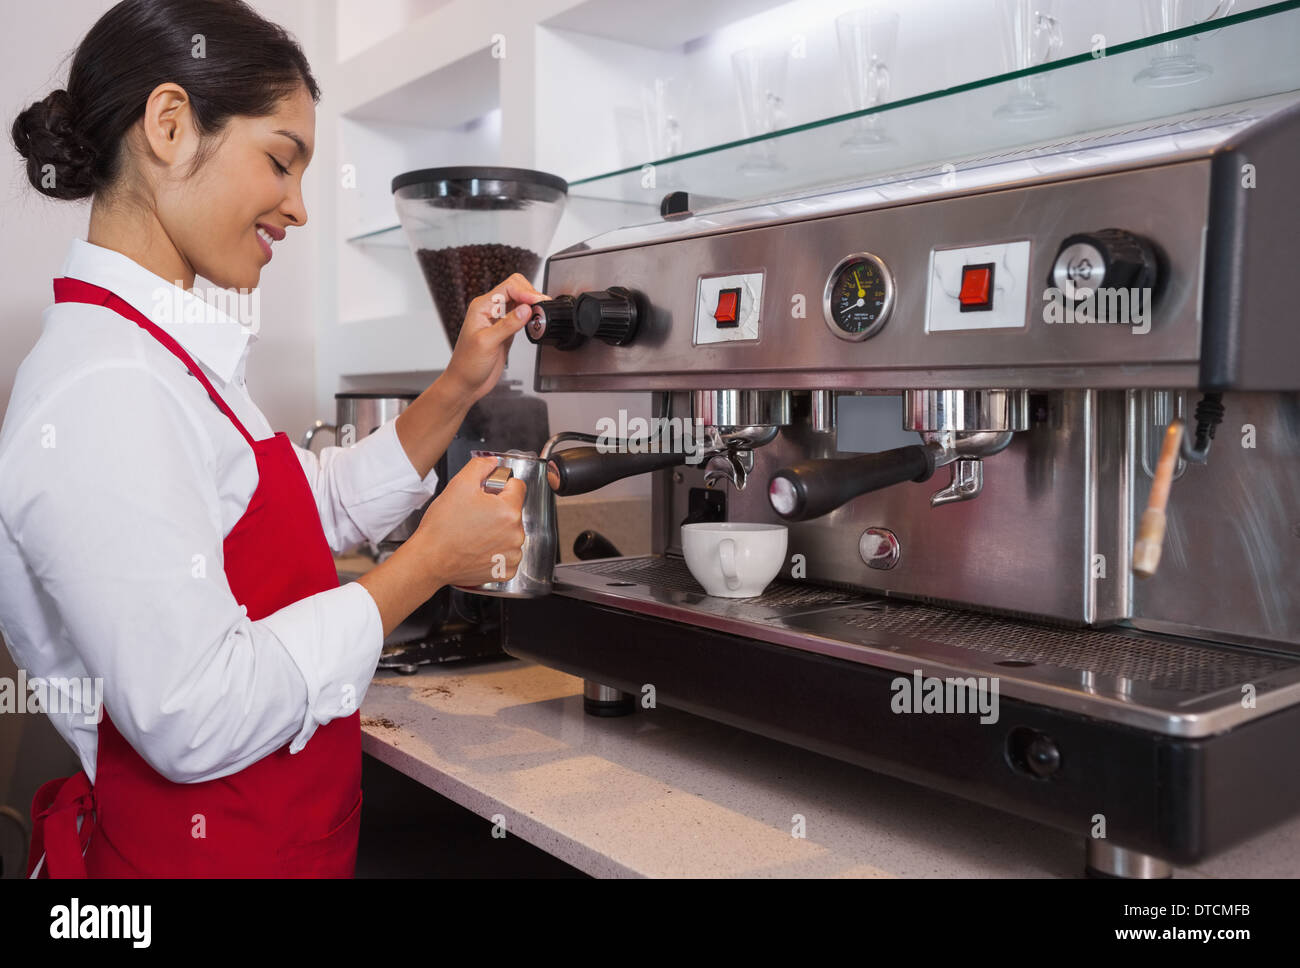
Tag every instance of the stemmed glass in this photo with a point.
(1176, 63)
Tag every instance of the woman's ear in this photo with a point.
(168, 125)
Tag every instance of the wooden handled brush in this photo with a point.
(1151, 529)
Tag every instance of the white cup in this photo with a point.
(734, 560)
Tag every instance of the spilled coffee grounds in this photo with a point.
(465, 272)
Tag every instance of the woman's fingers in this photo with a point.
(518, 289)
(504, 330)
(497, 303)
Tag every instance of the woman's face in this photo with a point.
(218, 219)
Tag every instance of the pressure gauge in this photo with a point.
(859, 297)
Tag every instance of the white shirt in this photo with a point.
(119, 480)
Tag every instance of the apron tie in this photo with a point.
(58, 805)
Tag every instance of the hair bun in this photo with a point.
(46, 134)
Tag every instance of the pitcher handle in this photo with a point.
(496, 482)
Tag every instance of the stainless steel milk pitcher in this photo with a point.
(533, 578)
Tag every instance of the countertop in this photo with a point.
(663, 793)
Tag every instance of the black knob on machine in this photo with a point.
(1042, 756)
(1105, 259)
(553, 322)
(610, 315)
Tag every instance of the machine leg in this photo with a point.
(1107, 860)
(601, 700)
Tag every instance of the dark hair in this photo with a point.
(248, 65)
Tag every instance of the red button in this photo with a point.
(976, 287)
(728, 307)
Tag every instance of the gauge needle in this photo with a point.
(861, 291)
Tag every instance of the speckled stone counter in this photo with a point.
(663, 793)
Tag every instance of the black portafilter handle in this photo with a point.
(592, 546)
(812, 488)
(582, 469)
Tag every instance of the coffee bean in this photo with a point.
(460, 274)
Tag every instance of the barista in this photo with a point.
(157, 538)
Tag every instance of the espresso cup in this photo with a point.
(734, 560)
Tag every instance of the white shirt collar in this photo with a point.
(204, 330)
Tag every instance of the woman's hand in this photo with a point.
(466, 537)
(490, 326)
(470, 536)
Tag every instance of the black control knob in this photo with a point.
(1033, 753)
(554, 323)
(610, 315)
(1105, 259)
(1042, 756)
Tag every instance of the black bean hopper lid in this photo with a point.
(471, 227)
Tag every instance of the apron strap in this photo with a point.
(75, 290)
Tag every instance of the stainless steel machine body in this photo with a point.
(1166, 704)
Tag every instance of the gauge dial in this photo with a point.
(859, 296)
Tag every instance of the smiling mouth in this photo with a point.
(264, 240)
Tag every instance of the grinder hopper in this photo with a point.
(472, 227)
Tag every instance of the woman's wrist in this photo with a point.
(456, 393)
(403, 582)
(420, 557)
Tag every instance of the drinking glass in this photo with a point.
(868, 41)
(761, 74)
(1175, 62)
(1031, 35)
(661, 110)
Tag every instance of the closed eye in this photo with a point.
(279, 167)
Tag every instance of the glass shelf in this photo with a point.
(1249, 54)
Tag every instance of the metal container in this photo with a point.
(533, 577)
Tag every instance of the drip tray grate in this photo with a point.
(1178, 666)
(672, 573)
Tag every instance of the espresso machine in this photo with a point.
(1039, 324)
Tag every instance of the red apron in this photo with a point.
(285, 814)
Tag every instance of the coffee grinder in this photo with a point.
(471, 228)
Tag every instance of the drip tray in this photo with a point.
(668, 579)
(1172, 685)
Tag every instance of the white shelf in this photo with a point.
(446, 97)
(362, 24)
(422, 74)
(662, 25)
